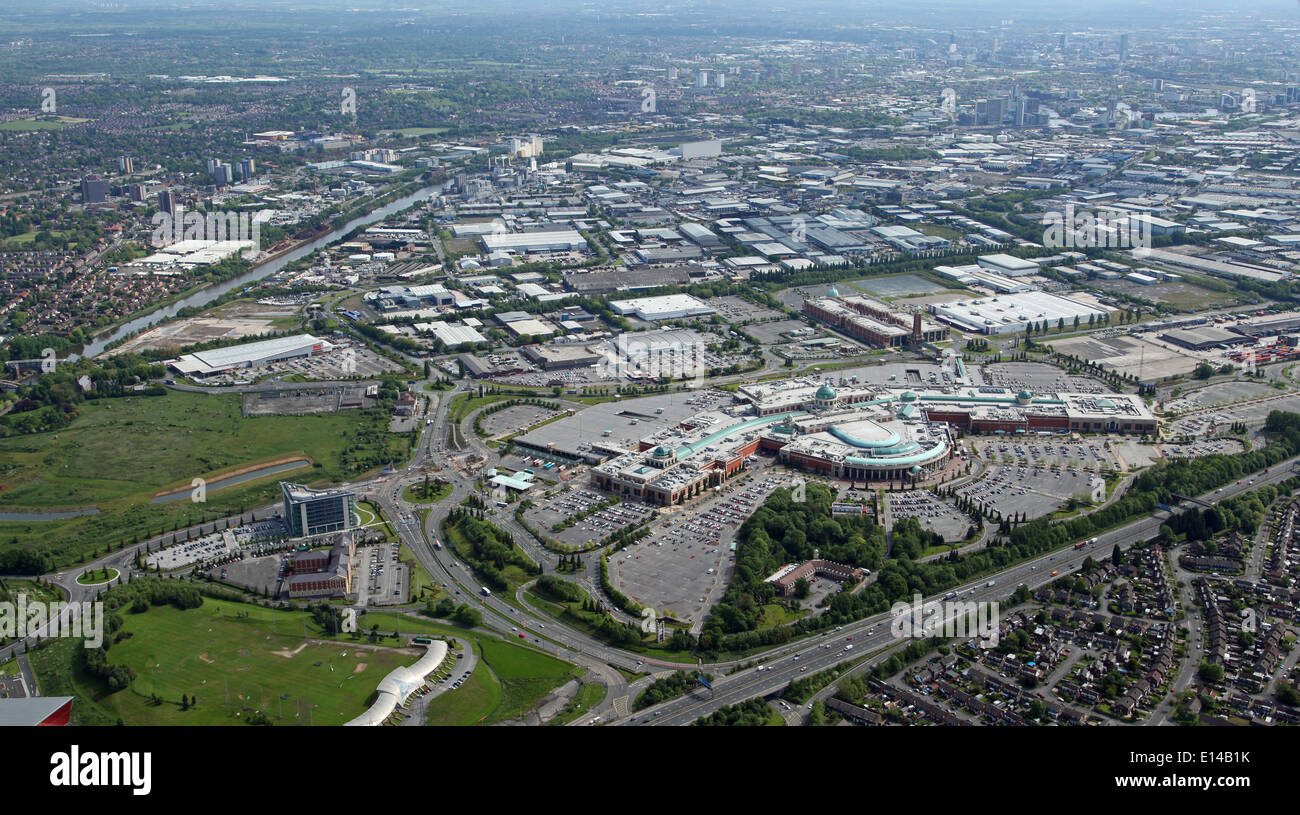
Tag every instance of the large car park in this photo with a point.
(684, 565)
(386, 580)
(573, 516)
(935, 514)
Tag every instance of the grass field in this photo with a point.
(422, 131)
(240, 660)
(56, 123)
(171, 440)
(469, 704)
(775, 614)
(237, 665)
(508, 682)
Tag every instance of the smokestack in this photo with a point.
(916, 328)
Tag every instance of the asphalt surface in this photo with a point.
(780, 665)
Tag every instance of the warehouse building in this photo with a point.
(562, 240)
(667, 307)
(1007, 265)
(402, 298)
(202, 364)
(559, 357)
(1203, 338)
(1012, 313)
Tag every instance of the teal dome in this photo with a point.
(1025, 395)
(908, 396)
(833, 292)
(661, 452)
(825, 394)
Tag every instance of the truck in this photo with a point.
(437, 544)
(1080, 544)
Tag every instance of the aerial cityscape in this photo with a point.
(605, 365)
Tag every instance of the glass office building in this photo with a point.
(315, 512)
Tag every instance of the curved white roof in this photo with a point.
(399, 684)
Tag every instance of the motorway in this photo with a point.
(780, 665)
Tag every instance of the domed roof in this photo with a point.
(1025, 395)
(908, 396)
(825, 394)
(661, 452)
(833, 292)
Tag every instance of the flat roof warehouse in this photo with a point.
(222, 360)
(1011, 313)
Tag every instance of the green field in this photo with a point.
(508, 682)
(422, 131)
(775, 614)
(469, 704)
(119, 453)
(98, 576)
(238, 665)
(55, 123)
(239, 660)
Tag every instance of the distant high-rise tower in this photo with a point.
(702, 79)
(672, 73)
(247, 168)
(126, 164)
(165, 201)
(722, 80)
(93, 191)
(1123, 48)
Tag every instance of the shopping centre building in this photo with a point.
(867, 433)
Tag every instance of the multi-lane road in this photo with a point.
(779, 666)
